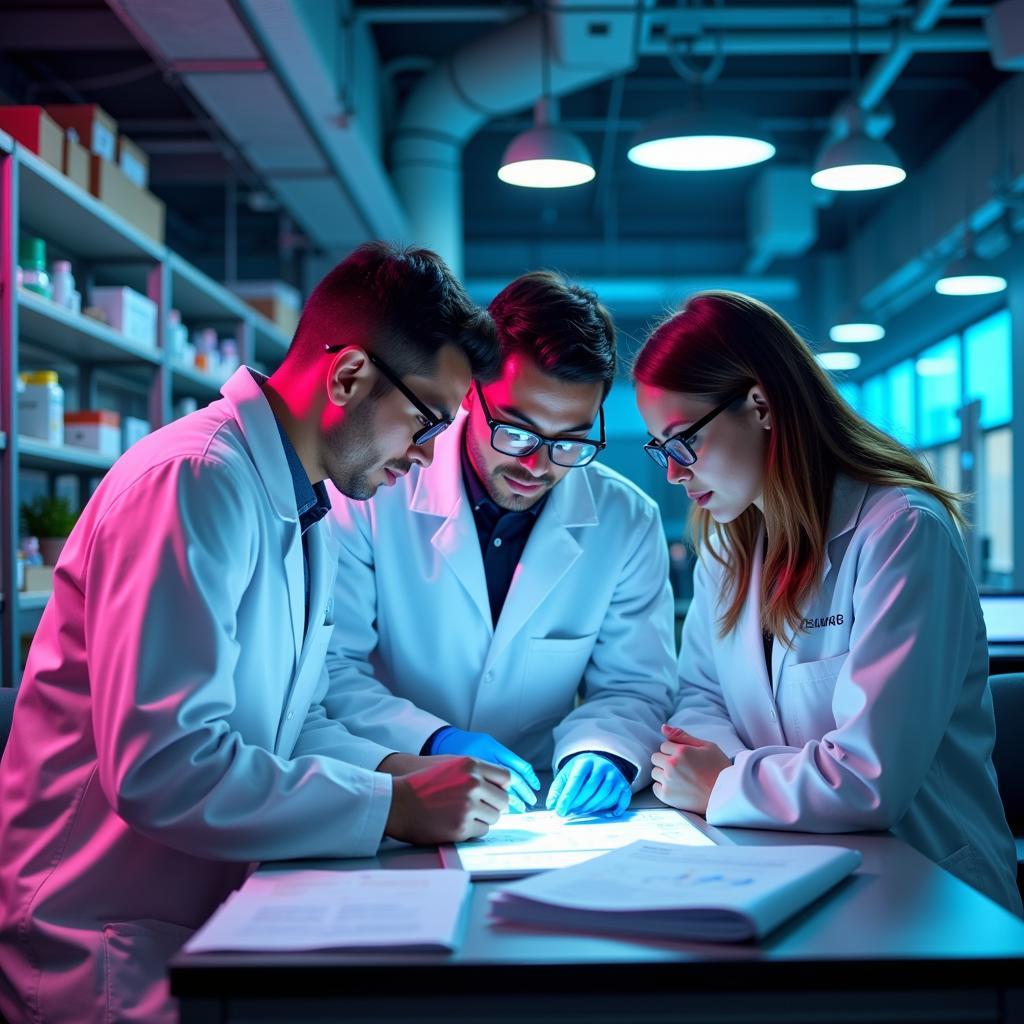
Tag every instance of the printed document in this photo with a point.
(716, 894)
(296, 910)
(523, 844)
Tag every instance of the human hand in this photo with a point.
(686, 769)
(587, 784)
(455, 799)
(524, 782)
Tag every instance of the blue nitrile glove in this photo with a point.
(521, 790)
(589, 784)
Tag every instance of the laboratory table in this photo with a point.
(901, 940)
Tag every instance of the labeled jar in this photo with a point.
(41, 406)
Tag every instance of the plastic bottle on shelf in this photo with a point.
(32, 262)
(229, 359)
(207, 353)
(63, 283)
(178, 338)
(41, 406)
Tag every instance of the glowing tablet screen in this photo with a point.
(522, 844)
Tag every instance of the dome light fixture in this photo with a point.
(839, 361)
(699, 140)
(969, 276)
(854, 327)
(546, 156)
(857, 163)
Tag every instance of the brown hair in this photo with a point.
(562, 327)
(721, 342)
(413, 303)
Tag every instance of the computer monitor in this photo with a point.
(1004, 617)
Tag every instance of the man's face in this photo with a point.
(373, 445)
(526, 396)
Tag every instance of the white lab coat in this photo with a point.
(588, 613)
(168, 729)
(880, 715)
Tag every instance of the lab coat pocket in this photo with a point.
(135, 956)
(552, 672)
(804, 698)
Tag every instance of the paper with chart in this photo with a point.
(296, 910)
(726, 893)
(522, 844)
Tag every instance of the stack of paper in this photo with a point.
(296, 910)
(714, 894)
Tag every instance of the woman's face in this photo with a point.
(728, 476)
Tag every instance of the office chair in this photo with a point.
(1008, 755)
(7, 695)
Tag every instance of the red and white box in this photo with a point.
(99, 430)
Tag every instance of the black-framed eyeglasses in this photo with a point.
(511, 439)
(433, 424)
(679, 447)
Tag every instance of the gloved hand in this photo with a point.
(588, 784)
(524, 781)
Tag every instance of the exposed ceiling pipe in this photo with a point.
(951, 40)
(494, 76)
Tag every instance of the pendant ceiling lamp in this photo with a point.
(699, 140)
(546, 156)
(857, 162)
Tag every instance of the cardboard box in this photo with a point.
(142, 209)
(97, 130)
(35, 130)
(76, 162)
(38, 577)
(127, 311)
(133, 161)
(99, 430)
(280, 303)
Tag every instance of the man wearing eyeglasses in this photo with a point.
(169, 727)
(513, 603)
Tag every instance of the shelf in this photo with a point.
(199, 298)
(37, 454)
(201, 386)
(33, 600)
(78, 337)
(68, 216)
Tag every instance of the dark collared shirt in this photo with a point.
(311, 502)
(502, 534)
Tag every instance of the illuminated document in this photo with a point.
(522, 844)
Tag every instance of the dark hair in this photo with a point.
(410, 306)
(562, 327)
(721, 342)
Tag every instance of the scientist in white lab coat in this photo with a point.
(514, 603)
(168, 729)
(834, 665)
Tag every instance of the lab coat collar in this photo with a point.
(847, 500)
(243, 393)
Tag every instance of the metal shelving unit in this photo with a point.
(105, 248)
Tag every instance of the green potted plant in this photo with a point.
(51, 519)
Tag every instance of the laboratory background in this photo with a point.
(176, 177)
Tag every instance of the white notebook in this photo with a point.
(299, 910)
(706, 894)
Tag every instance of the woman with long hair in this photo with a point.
(834, 664)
